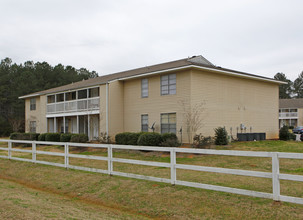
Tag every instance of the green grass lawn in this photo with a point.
(164, 200)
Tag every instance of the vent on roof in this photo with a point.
(199, 60)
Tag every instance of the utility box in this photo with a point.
(251, 136)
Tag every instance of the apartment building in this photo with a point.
(167, 97)
(290, 112)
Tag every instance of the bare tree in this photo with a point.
(16, 123)
(193, 116)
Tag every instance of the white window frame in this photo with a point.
(144, 123)
(32, 105)
(171, 127)
(169, 84)
(32, 126)
(144, 88)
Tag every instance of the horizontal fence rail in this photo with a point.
(275, 175)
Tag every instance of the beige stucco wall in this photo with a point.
(154, 104)
(102, 116)
(116, 107)
(43, 122)
(38, 115)
(300, 117)
(32, 115)
(230, 101)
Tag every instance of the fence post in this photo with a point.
(66, 158)
(34, 153)
(173, 172)
(10, 149)
(109, 159)
(275, 177)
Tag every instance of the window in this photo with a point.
(144, 88)
(144, 123)
(168, 123)
(70, 96)
(51, 99)
(82, 94)
(168, 84)
(66, 126)
(60, 97)
(33, 104)
(93, 92)
(32, 126)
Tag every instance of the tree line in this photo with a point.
(20, 79)
(293, 89)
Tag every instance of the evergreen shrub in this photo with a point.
(52, 137)
(150, 139)
(79, 138)
(65, 137)
(221, 136)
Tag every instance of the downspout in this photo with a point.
(107, 109)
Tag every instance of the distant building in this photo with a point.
(291, 112)
(161, 94)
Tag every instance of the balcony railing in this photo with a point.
(288, 114)
(73, 106)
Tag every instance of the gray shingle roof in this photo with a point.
(291, 103)
(195, 60)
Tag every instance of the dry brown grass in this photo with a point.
(21, 201)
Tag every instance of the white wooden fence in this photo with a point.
(275, 175)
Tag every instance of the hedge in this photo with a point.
(150, 139)
(41, 137)
(79, 138)
(170, 140)
(52, 137)
(128, 138)
(65, 137)
(24, 136)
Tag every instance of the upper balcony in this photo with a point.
(288, 113)
(85, 100)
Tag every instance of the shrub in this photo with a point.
(132, 138)
(104, 138)
(121, 138)
(15, 136)
(52, 137)
(291, 127)
(170, 140)
(221, 136)
(292, 136)
(170, 143)
(167, 136)
(24, 136)
(284, 133)
(65, 137)
(128, 138)
(202, 142)
(41, 137)
(79, 138)
(150, 139)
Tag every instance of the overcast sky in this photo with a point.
(256, 36)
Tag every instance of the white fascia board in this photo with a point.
(73, 90)
(29, 96)
(57, 115)
(203, 68)
(63, 91)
